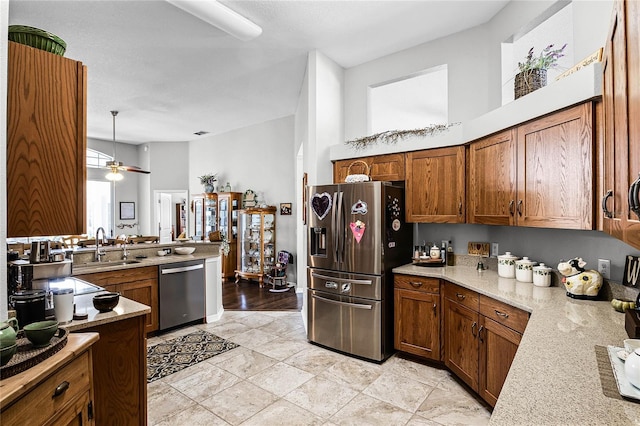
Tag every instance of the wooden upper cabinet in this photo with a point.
(435, 185)
(46, 143)
(389, 167)
(491, 191)
(621, 100)
(555, 170)
(538, 174)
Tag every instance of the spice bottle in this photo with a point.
(450, 261)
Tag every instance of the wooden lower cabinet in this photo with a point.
(476, 338)
(417, 316)
(498, 346)
(58, 391)
(139, 284)
(120, 372)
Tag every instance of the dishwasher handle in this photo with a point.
(182, 269)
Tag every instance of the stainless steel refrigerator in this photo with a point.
(357, 234)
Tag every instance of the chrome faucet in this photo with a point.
(99, 253)
(125, 253)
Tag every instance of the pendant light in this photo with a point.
(114, 174)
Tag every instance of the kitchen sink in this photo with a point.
(111, 263)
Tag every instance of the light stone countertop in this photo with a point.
(554, 378)
(151, 260)
(125, 309)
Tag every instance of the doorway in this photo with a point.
(170, 214)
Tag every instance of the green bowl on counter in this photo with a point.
(7, 352)
(40, 333)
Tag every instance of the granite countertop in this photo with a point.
(554, 378)
(125, 309)
(150, 260)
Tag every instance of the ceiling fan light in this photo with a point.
(114, 176)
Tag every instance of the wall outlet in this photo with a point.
(494, 249)
(604, 267)
(167, 250)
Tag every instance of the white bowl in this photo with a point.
(185, 250)
(631, 345)
(161, 253)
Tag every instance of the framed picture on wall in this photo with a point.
(285, 209)
(127, 210)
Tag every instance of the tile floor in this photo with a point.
(276, 377)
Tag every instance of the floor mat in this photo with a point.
(177, 354)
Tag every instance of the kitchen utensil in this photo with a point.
(542, 275)
(40, 251)
(632, 368)
(106, 302)
(29, 306)
(63, 305)
(8, 332)
(524, 270)
(40, 333)
(507, 265)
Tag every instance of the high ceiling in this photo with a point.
(171, 74)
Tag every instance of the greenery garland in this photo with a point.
(390, 137)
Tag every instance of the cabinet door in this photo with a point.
(435, 185)
(76, 413)
(632, 228)
(491, 193)
(389, 167)
(46, 143)
(555, 170)
(461, 342)
(145, 292)
(498, 346)
(417, 323)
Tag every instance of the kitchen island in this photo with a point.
(554, 378)
(119, 359)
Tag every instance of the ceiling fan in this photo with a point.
(116, 166)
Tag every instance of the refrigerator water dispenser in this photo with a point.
(319, 242)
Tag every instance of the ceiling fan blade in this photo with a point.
(135, 169)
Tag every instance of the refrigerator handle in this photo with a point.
(334, 227)
(341, 226)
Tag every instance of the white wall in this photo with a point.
(4, 22)
(259, 158)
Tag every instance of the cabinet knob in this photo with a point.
(416, 284)
(460, 296)
(460, 208)
(435, 309)
(511, 211)
(480, 333)
(519, 207)
(60, 389)
(501, 314)
(473, 329)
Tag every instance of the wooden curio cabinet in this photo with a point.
(205, 211)
(229, 204)
(46, 143)
(256, 243)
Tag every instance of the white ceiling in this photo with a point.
(171, 75)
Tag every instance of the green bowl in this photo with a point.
(35, 37)
(7, 353)
(40, 333)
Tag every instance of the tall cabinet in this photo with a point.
(256, 243)
(46, 143)
(205, 211)
(228, 213)
(621, 97)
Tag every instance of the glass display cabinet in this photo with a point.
(205, 211)
(228, 207)
(256, 243)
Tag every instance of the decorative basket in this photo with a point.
(528, 81)
(351, 178)
(35, 37)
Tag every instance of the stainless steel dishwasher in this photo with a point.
(181, 297)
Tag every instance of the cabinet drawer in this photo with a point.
(463, 296)
(412, 282)
(39, 405)
(512, 317)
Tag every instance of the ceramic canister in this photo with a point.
(542, 275)
(63, 305)
(507, 265)
(632, 368)
(524, 270)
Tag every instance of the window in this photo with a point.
(96, 159)
(410, 102)
(553, 27)
(99, 206)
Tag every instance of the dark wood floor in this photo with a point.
(248, 296)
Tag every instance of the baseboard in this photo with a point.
(216, 317)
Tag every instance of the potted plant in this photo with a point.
(208, 181)
(533, 71)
